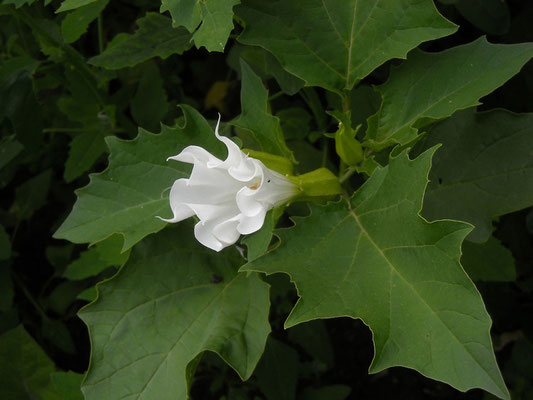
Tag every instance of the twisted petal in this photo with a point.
(229, 197)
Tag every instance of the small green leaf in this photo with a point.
(264, 128)
(373, 257)
(155, 38)
(96, 259)
(295, 123)
(31, 195)
(334, 44)
(133, 190)
(68, 5)
(85, 149)
(9, 149)
(215, 17)
(483, 170)
(76, 23)
(165, 308)
(489, 261)
(432, 86)
(149, 105)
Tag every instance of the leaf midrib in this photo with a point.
(365, 232)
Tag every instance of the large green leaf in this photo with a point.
(431, 86)
(128, 195)
(373, 257)
(24, 368)
(264, 128)
(155, 38)
(335, 43)
(484, 168)
(215, 17)
(173, 300)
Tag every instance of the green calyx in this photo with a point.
(318, 185)
(279, 164)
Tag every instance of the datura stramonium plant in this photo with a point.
(229, 197)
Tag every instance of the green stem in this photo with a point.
(29, 296)
(349, 172)
(275, 95)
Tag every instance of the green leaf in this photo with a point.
(483, 170)
(266, 65)
(277, 372)
(25, 368)
(334, 44)
(9, 149)
(210, 21)
(18, 3)
(263, 127)
(313, 337)
(76, 23)
(149, 105)
(67, 385)
(373, 257)
(491, 16)
(85, 149)
(295, 123)
(489, 261)
(103, 255)
(432, 86)
(163, 309)
(155, 38)
(73, 4)
(258, 242)
(133, 190)
(31, 195)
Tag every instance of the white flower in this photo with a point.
(230, 197)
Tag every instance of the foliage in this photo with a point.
(420, 121)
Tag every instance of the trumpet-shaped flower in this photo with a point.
(229, 197)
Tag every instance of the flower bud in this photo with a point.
(347, 146)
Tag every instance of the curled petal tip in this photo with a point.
(212, 193)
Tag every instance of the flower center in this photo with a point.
(255, 186)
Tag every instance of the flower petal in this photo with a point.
(252, 224)
(195, 155)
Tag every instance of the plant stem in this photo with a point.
(349, 172)
(275, 95)
(29, 296)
